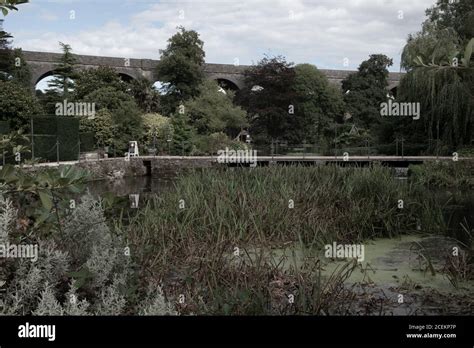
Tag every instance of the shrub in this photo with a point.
(82, 271)
(17, 104)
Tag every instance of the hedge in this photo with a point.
(4, 127)
(87, 141)
(45, 147)
(51, 129)
(68, 138)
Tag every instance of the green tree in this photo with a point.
(180, 68)
(146, 96)
(20, 71)
(126, 116)
(12, 63)
(6, 54)
(318, 105)
(101, 125)
(440, 76)
(457, 15)
(64, 73)
(182, 141)
(213, 111)
(48, 100)
(107, 98)
(365, 90)
(127, 124)
(90, 80)
(157, 130)
(17, 104)
(268, 97)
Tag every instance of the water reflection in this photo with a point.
(130, 185)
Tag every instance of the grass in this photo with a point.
(188, 248)
(254, 206)
(458, 174)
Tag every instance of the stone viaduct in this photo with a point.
(42, 64)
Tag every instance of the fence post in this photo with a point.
(368, 148)
(402, 147)
(57, 151)
(437, 139)
(3, 155)
(79, 151)
(32, 143)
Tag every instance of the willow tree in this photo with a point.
(440, 76)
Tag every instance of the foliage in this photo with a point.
(180, 68)
(101, 126)
(444, 174)
(64, 73)
(364, 199)
(108, 98)
(125, 118)
(430, 45)
(365, 90)
(92, 80)
(193, 249)
(156, 303)
(182, 142)
(87, 249)
(318, 105)
(12, 63)
(446, 97)
(440, 75)
(20, 71)
(212, 111)
(458, 15)
(17, 104)
(146, 96)
(267, 97)
(48, 99)
(157, 128)
(210, 144)
(5, 53)
(43, 196)
(13, 143)
(127, 123)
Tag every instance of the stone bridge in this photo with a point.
(42, 64)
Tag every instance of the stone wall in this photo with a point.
(170, 166)
(114, 168)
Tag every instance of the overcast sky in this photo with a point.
(332, 34)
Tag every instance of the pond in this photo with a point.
(412, 265)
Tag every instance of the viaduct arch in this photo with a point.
(42, 64)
